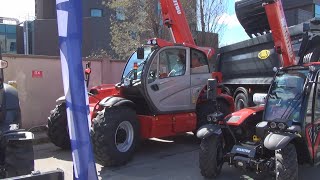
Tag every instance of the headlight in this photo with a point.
(209, 118)
(281, 126)
(273, 125)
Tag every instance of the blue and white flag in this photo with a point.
(69, 17)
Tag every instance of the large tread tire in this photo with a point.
(211, 156)
(58, 127)
(286, 163)
(103, 134)
(19, 158)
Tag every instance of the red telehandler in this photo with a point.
(283, 131)
(162, 93)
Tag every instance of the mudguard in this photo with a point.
(278, 141)
(238, 117)
(116, 101)
(61, 100)
(208, 130)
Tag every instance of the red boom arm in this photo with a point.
(280, 32)
(175, 19)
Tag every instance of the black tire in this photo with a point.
(286, 163)
(58, 127)
(211, 156)
(104, 131)
(19, 158)
(241, 101)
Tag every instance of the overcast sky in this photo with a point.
(20, 9)
(234, 31)
(24, 9)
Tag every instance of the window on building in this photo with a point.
(120, 15)
(96, 13)
(317, 11)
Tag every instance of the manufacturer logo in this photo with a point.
(264, 54)
(176, 4)
(243, 150)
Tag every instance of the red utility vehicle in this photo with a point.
(162, 93)
(284, 131)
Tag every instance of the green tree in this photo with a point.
(134, 21)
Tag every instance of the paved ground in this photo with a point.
(172, 159)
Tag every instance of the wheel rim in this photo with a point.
(124, 136)
(240, 104)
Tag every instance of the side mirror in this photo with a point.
(259, 98)
(3, 64)
(140, 53)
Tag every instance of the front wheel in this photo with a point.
(286, 163)
(211, 156)
(115, 135)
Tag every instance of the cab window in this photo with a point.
(172, 63)
(199, 63)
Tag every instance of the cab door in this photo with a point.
(315, 137)
(168, 81)
(199, 74)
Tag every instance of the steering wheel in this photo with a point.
(172, 73)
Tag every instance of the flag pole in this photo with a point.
(69, 18)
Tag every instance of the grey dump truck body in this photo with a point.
(241, 65)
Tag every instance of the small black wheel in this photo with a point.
(241, 101)
(115, 135)
(211, 156)
(19, 158)
(58, 132)
(287, 163)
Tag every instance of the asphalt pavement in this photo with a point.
(174, 158)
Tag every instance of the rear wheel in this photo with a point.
(115, 135)
(19, 158)
(286, 163)
(58, 127)
(211, 156)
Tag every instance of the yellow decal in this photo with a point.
(264, 54)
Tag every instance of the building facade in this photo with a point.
(96, 21)
(298, 11)
(42, 32)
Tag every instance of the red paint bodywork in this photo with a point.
(243, 114)
(104, 90)
(166, 125)
(280, 32)
(313, 149)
